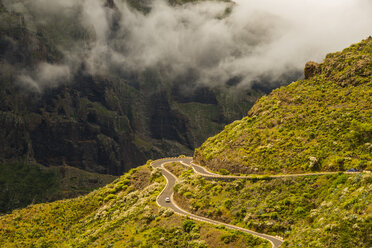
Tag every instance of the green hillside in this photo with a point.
(22, 184)
(315, 211)
(322, 123)
(122, 214)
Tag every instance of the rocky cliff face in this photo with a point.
(71, 126)
(79, 124)
(107, 122)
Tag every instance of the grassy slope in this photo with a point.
(22, 184)
(317, 211)
(319, 124)
(122, 214)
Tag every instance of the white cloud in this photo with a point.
(260, 38)
(45, 75)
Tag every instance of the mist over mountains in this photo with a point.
(211, 42)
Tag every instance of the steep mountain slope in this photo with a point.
(322, 123)
(122, 214)
(104, 121)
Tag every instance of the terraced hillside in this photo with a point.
(321, 123)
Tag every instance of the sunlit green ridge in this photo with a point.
(322, 123)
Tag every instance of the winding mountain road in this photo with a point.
(205, 173)
(168, 192)
(187, 161)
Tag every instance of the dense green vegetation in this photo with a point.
(122, 214)
(323, 123)
(22, 184)
(315, 211)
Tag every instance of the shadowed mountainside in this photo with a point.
(108, 122)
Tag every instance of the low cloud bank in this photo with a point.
(45, 75)
(215, 41)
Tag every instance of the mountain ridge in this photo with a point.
(320, 123)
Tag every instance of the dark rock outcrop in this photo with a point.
(167, 123)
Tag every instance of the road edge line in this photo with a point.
(200, 218)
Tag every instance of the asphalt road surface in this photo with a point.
(204, 172)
